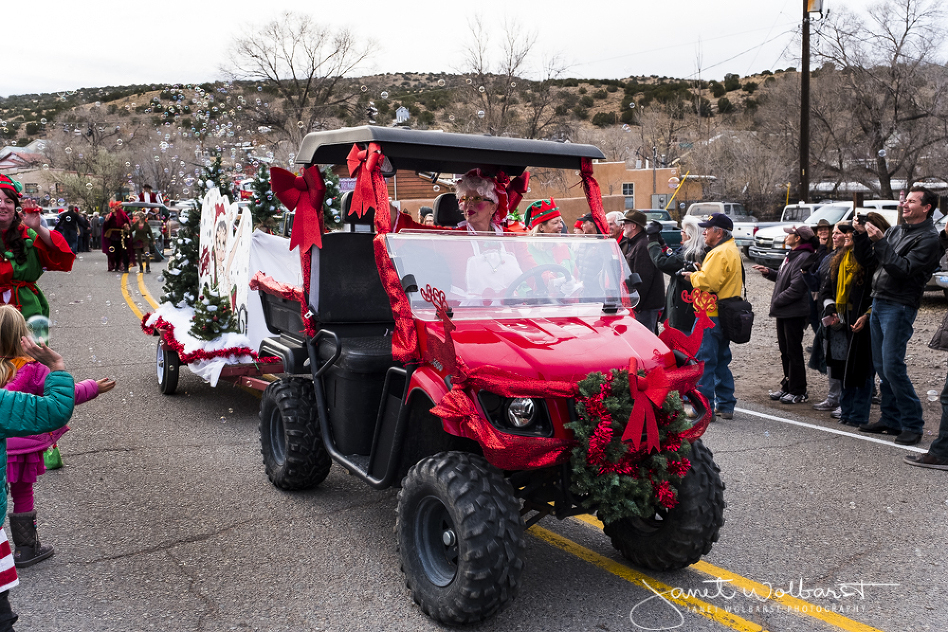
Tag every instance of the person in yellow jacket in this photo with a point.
(720, 274)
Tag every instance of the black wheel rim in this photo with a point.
(436, 542)
(277, 437)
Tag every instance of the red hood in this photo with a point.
(566, 348)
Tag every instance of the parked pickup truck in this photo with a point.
(671, 233)
(769, 248)
(745, 224)
(794, 214)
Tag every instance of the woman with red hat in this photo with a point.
(27, 249)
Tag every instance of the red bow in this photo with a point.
(305, 194)
(516, 189)
(645, 391)
(362, 164)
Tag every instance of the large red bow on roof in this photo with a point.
(305, 194)
(362, 164)
(645, 391)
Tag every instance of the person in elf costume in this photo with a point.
(113, 237)
(27, 248)
(543, 217)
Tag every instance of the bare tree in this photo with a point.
(886, 99)
(492, 83)
(541, 117)
(105, 173)
(302, 64)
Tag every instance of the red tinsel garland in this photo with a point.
(200, 354)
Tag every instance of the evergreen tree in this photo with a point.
(264, 204)
(213, 316)
(213, 176)
(332, 204)
(181, 273)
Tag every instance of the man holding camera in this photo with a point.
(905, 256)
(634, 246)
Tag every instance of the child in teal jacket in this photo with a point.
(23, 414)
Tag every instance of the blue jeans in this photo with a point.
(856, 402)
(891, 328)
(939, 446)
(716, 383)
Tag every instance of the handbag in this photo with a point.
(52, 458)
(736, 316)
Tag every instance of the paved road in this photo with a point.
(163, 519)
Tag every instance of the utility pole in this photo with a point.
(804, 189)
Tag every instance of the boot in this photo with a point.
(28, 550)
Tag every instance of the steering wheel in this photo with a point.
(538, 273)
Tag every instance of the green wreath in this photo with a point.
(613, 480)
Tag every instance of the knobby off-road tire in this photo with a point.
(460, 537)
(168, 366)
(679, 537)
(293, 452)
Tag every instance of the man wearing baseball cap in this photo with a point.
(790, 306)
(720, 274)
(634, 246)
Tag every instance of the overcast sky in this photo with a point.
(63, 46)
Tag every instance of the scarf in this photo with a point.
(844, 279)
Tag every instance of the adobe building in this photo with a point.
(622, 189)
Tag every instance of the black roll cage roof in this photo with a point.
(442, 152)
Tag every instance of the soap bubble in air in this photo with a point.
(39, 329)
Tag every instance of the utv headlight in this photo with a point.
(521, 412)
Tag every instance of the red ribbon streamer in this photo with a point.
(200, 354)
(517, 189)
(304, 194)
(363, 164)
(593, 195)
(645, 391)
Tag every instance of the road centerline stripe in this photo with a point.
(128, 298)
(145, 293)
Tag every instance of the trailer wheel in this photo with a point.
(293, 452)
(168, 365)
(460, 537)
(679, 537)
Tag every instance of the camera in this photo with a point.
(688, 267)
(859, 219)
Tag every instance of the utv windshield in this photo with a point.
(509, 273)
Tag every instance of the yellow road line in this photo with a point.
(128, 298)
(144, 291)
(663, 591)
(760, 591)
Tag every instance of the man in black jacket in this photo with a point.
(634, 246)
(906, 256)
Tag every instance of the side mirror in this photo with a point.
(633, 282)
(409, 284)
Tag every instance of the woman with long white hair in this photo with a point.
(678, 313)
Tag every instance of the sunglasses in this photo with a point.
(473, 199)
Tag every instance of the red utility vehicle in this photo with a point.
(414, 369)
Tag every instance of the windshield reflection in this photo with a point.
(504, 271)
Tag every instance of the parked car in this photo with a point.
(794, 214)
(939, 280)
(671, 232)
(745, 224)
(769, 248)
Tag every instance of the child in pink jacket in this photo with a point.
(25, 460)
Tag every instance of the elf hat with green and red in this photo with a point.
(541, 211)
(10, 185)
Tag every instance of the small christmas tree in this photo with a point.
(213, 316)
(213, 176)
(181, 273)
(332, 205)
(264, 204)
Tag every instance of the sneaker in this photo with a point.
(777, 395)
(826, 405)
(790, 398)
(837, 413)
(926, 460)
